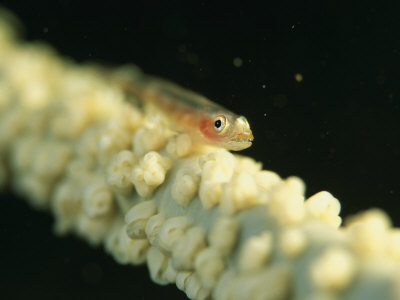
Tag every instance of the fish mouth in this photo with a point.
(240, 144)
(241, 141)
(244, 137)
(243, 132)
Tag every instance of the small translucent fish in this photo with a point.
(205, 121)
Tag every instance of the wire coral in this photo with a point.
(214, 223)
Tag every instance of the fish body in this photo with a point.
(205, 121)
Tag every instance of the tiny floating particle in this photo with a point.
(298, 77)
(237, 62)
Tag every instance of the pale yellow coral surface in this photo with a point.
(214, 223)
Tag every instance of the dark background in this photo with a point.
(338, 129)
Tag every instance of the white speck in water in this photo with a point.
(298, 77)
(237, 62)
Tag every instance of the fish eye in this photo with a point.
(219, 123)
